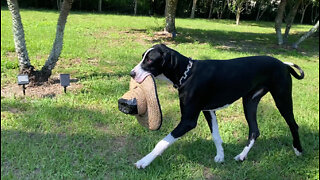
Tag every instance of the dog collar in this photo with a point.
(185, 75)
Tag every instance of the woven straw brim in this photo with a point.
(143, 102)
(152, 118)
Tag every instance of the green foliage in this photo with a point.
(82, 135)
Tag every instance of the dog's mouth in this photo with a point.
(139, 78)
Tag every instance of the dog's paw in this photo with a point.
(240, 157)
(145, 161)
(297, 152)
(219, 158)
(141, 164)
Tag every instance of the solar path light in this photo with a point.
(65, 81)
(23, 79)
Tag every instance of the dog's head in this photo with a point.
(153, 62)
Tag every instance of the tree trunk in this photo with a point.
(278, 20)
(100, 6)
(135, 6)
(170, 13)
(259, 10)
(290, 19)
(211, 7)
(194, 5)
(238, 12)
(306, 35)
(238, 16)
(19, 40)
(57, 45)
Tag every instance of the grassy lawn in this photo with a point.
(83, 135)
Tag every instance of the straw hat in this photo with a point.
(142, 102)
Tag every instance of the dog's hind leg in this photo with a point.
(214, 128)
(250, 105)
(283, 100)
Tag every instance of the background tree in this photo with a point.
(314, 11)
(100, 6)
(304, 5)
(20, 45)
(135, 7)
(170, 15)
(306, 35)
(262, 8)
(236, 6)
(290, 18)
(194, 5)
(278, 20)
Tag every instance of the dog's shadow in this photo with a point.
(267, 151)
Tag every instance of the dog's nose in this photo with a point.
(132, 74)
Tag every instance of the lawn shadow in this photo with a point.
(247, 42)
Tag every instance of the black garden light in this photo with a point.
(65, 81)
(23, 79)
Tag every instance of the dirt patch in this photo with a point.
(208, 175)
(49, 89)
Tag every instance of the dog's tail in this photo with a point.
(293, 72)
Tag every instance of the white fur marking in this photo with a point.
(243, 155)
(257, 93)
(157, 151)
(140, 73)
(219, 158)
(297, 152)
(289, 63)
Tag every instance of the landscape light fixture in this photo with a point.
(23, 79)
(65, 81)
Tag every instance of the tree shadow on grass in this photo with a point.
(73, 142)
(246, 42)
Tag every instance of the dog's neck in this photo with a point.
(175, 69)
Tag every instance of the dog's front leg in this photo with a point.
(158, 150)
(188, 122)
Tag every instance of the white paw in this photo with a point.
(240, 157)
(219, 158)
(144, 162)
(298, 153)
(141, 164)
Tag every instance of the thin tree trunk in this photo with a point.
(290, 19)
(304, 8)
(259, 10)
(211, 7)
(170, 13)
(135, 6)
(194, 5)
(100, 6)
(306, 35)
(238, 12)
(19, 40)
(57, 45)
(278, 21)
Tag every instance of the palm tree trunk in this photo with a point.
(278, 20)
(170, 13)
(19, 40)
(57, 45)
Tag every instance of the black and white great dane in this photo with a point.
(209, 85)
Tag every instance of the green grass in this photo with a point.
(82, 135)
